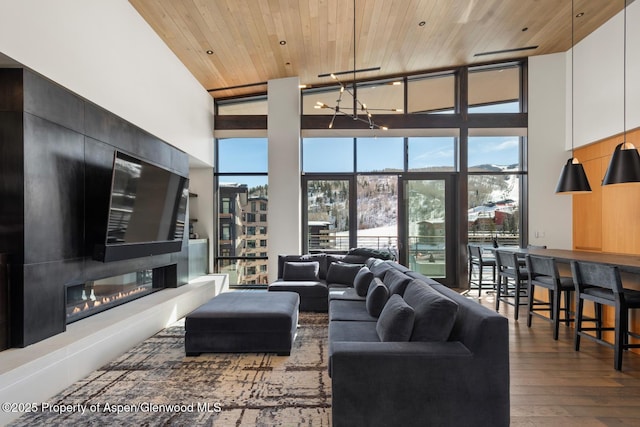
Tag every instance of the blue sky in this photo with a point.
(240, 155)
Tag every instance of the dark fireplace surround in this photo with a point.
(56, 154)
(92, 297)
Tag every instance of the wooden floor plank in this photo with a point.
(554, 385)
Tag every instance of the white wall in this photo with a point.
(283, 130)
(550, 215)
(105, 52)
(598, 79)
(598, 102)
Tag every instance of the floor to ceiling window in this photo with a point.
(377, 190)
(243, 198)
(451, 170)
(495, 180)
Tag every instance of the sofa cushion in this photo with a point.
(300, 271)
(370, 253)
(435, 313)
(342, 273)
(380, 269)
(355, 259)
(372, 261)
(349, 310)
(345, 294)
(304, 288)
(396, 281)
(362, 281)
(322, 260)
(349, 331)
(396, 320)
(377, 297)
(284, 258)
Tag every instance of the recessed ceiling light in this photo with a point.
(209, 52)
(422, 23)
(283, 42)
(580, 15)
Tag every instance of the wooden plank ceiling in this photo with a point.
(253, 41)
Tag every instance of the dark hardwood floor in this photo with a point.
(553, 385)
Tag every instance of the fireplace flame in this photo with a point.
(97, 300)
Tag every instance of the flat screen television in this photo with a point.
(147, 211)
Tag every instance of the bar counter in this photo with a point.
(626, 263)
(629, 266)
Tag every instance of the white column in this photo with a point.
(283, 130)
(550, 214)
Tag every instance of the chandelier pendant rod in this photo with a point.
(355, 92)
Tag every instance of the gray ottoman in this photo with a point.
(243, 322)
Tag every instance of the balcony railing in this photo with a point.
(425, 254)
(341, 243)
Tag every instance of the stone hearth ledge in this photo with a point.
(36, 373)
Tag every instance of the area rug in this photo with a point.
(154, 384)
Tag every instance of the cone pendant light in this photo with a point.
(573, 178)
(625, 161)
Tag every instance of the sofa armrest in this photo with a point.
(349, 355)
(415, 383)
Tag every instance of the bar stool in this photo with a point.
(476, 258)
(601, 284)
(510, 269)
(543, 272)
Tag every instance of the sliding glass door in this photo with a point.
(427, 233)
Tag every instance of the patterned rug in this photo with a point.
(154, 384)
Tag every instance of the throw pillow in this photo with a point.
(396, 281)
(380, 269)
(322, 259)
(362, 281)
(370, 253)
(377, 297)
(355, 259)
(435, 313)
(342, 273)
(286, 258)
(396, 320)
(301, 271)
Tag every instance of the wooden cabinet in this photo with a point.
(587, 208)
(607, 219)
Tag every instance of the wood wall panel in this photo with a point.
(587, 219)
(608, 218)
(621, 218)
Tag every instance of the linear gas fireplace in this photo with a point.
(86, 299)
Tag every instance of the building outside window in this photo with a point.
(242, 188)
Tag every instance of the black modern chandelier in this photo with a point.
(359, 111)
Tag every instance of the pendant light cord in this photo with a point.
(573, 125)
(624, 78)
(355, 91)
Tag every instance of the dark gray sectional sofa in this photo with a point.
(405, 350)
(298, 273)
